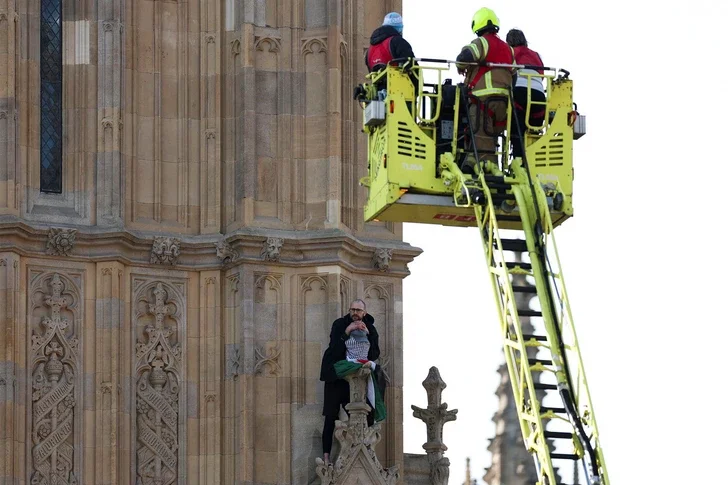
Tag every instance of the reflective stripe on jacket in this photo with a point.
(484, 80)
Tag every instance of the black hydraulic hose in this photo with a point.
(566, 395)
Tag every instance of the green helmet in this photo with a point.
(483, 18)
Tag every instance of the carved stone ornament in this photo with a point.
(272, 249)
(158, 377)
(60, 241)
(269, 360)
(235, 47)
(382, 258)
(273, 43)
(235, 363)
(165, 250)
(384, 362)
(435, 416)
(54, 360)
(357, 461)
(225, 252)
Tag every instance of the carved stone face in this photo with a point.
(382, 259)
(272, 248)
(225, 252)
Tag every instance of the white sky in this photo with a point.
(642, 257)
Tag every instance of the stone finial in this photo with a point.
(60, 241)
(225, 252)
(435, 416)
(357, 461)
(382, 258)
(165, 250)
(468, 478)
(272, 249)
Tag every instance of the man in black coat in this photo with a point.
(336, 391)
(387, 43)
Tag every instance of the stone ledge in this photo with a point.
(299, 249)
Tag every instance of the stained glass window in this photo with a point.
(51, 114)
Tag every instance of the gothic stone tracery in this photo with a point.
(54, 360)
(158, 378)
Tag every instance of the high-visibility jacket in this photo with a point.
(484, 80)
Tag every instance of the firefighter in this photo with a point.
(489, 86)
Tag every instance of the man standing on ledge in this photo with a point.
(353, 336)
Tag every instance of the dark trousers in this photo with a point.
(520, 103)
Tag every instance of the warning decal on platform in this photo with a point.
(454, 217)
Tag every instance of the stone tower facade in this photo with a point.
(180, 223)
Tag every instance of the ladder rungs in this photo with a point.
(545, 409)
(515, 245)
(540, 361)
(539, 338)
(545, 387)
(564, 456)
(558, 434)
(524, 289)
(523, 266)
(529, 313)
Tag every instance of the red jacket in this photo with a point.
(526, 56)
(379, 54)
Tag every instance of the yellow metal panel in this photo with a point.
(408, 182)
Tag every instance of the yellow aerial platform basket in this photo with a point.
(418, 138)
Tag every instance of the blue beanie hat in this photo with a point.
(394, 19)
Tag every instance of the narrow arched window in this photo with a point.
(51, 89)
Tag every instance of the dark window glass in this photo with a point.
(51, 114)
